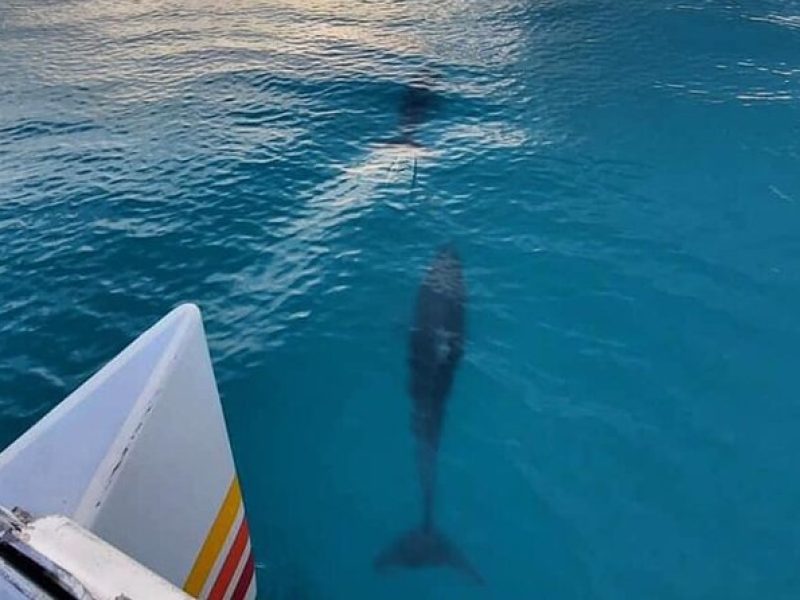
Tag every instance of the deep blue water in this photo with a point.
(621, 180)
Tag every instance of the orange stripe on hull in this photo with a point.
(231, 562)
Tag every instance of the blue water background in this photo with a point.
(622, 180)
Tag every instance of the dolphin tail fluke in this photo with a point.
(426, 548)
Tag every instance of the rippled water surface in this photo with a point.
(621, 180)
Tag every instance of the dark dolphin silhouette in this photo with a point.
(419, 100)
(435, 349)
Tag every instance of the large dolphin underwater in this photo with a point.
(435, 348)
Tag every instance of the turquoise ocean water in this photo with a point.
(622, 180)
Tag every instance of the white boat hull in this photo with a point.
(140, 456)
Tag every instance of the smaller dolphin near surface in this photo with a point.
(435, 350)
(418, 102)
(419, 99)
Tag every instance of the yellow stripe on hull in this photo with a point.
(215, 539)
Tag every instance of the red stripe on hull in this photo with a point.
(245, 579)
(231, 562)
